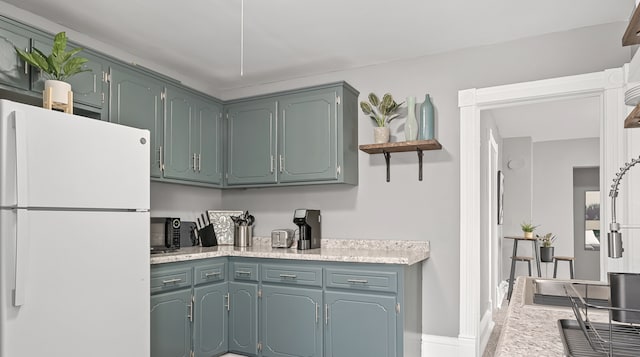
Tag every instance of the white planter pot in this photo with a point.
(59, 90)
(381, 135)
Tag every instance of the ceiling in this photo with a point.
(283, 39)
(563, 119)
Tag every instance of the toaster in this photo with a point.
(282, 238)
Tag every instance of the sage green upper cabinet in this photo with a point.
(180, 161)
(87, 87)
(207, 140)
(14, 71)
(193, 126)
(136, 100)
(251, 143)
(307, 129)
(299, 137)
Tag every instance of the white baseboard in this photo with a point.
(433, 345)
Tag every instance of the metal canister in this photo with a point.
(243, 236)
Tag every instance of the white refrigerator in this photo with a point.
(74, 235)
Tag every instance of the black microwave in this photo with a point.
(165, 233)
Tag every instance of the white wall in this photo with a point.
(517, 161)
(553, 163)
(186, 202)
(404, 208)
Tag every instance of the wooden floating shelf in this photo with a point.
(404, 146)
(633, 119)
(632, 34)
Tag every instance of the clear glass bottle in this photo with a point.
(411, 124)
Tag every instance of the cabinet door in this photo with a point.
(87, 87)
(180, 160)
(207, 140)
(360, 325)
(243, 318)
(136, 100)
(251, 143)
(291, 321)
(210, 320)
(13, 70)
(170, 325)
(307, 137)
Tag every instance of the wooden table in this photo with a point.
(536, 252)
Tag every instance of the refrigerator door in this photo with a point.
(85, 284)
(50, 159)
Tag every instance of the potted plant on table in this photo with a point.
(56, 67)
(546, 249)
(527, 229)
(382, 112)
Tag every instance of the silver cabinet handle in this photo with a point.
(193, 158)
(288, 276)
(326, 314)
(271, 170)
(199, 162)
(26, 67)
(358, 281)
(317, 307)
(193, 301)
(160, 163)
(243, 272)
(227, 297)
(171, 281)
(215, 273)
(281, 163)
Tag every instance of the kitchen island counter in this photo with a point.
(530, 329)
(333, 250)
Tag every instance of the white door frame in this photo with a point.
(608, 85)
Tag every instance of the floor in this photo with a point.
(498, 318)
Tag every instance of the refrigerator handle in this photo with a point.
(22, 169)
(23, 240)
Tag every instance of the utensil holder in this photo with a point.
(243, 236)
(208, 236)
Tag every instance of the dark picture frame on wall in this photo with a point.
(500, 197)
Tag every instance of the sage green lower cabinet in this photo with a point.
(291, 321)
(210, 320)
(243, 318)
(170, 324)
(285, 308)
(360, 325)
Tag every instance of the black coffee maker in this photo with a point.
(308, 221)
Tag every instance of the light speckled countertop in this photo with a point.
(532, 330)
(333, 250)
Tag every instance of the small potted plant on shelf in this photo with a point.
(56, 67)
(382, 112)
(546, 249)
(527, 229)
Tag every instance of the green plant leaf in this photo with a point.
(59, 44)
(373, 99)
(366, 108)
(74, 66)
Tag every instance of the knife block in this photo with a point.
(208, 236)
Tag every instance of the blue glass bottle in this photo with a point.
(426, 129)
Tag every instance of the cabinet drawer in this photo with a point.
(362, 280)
(164, 280)
(244, 271)
(208, 273)
(298, 275)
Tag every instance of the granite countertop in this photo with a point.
(532, 330)
(333, 250)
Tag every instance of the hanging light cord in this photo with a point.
(241, 38)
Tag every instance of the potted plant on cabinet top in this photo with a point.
(546, 250)
(56, 67)
(382, 112)
(527, 229)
